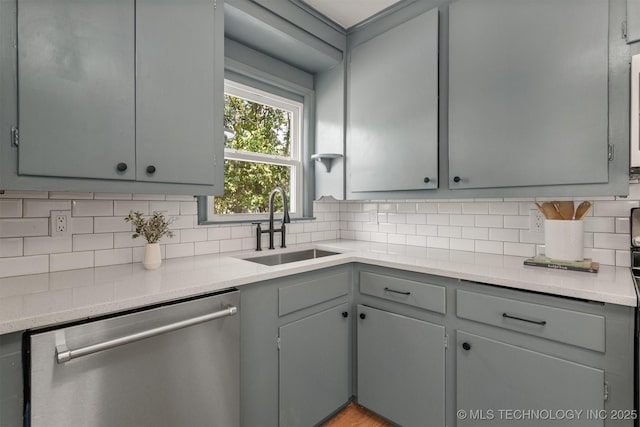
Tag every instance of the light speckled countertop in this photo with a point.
(47, 299)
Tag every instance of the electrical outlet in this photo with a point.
(60, 223)
(536, 221)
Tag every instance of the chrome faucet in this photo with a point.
(271, 230)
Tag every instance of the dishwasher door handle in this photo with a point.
(63, 354)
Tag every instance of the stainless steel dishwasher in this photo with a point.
(175, 364)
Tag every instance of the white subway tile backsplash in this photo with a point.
(407, 208)
(113, 257)
(92, 208)
(620, 208)
(382, 237)
(622, 225)
(167, 208)
(475, 233)
(475, 208)
(20, 266)
(519, 222)
(149, 197)
(623, 259)
(437, 219)
(41, 208)
(427, 208)
(189, 208)
(610, 241)
(82, 225)
(11, 247)
(387, 228)
(92, 242)
(603, 256)
(18, 227)
(193, 235)
(504, 234)
(406, 229)
(492, 221)
(449, 231)
(230, 245)
(204, 248)
(111, 224)
(179, 198)
(417, 241)
(449, 208)
(519, 249)
(489, 247)
(13, 194)
(125, 207)
(10, 208)
(504, 208)
(47, 245)
(71, 261)
(112, 196)
(462, 220)
(180, 250)
(416, 219)
(427, 230)
(397, 218)
(531, 237)
(126, 240)
(438, 242)
(462, 245)
(67, 195)
(599, 224)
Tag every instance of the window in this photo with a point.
(265, 153)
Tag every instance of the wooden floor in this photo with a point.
(355, 415)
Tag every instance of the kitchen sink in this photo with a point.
(287, 257)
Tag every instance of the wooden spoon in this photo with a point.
(583, 209)
(565, 208)
(550, 211)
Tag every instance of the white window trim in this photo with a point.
(294, 161)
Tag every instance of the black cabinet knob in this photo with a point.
(456, 179)
(466, 346)
(122, 167)
(426, 180)
(151, 169)
(345, 314)
(362, 315)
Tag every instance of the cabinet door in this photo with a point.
(393, 109)
(633, 21)
(175, 91)
(528, 93)
(494, 377)
(401, 367)
(314, 367)
(76, 88)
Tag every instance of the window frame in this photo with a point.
(294, 161)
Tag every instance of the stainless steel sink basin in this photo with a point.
(287, 257)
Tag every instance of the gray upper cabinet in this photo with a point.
(120, 91)
(76, 88)
(175, 91)
(393, 109)
(633, 21)
(528, 93)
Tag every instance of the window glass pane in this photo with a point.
(259, 128)
(248, 185)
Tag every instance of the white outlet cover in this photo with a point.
(53, 231)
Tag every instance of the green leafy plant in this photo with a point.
(152, 228)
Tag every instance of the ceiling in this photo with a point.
(348, 13)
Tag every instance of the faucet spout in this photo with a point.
(285, 217)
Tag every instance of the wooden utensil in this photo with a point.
(583, 209)
(550, 211)
(565, 209)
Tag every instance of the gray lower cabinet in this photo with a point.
(314, 366)
(401, 367)
(392, 141)
(528, 93)
(120, 91)
(633, 21)
(494, 380)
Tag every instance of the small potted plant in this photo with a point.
(152, 229)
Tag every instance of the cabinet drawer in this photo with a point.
(315, 291)
(418, 294)
(567, 326)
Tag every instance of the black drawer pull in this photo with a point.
(397, 292)
(537, 322)
(345, 314)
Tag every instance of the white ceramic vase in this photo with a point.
(152, 258)
(564, 240)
